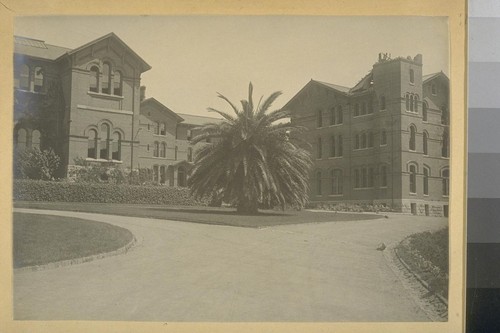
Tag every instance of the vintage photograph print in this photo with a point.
(231, 168)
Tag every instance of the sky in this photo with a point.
(195, 57)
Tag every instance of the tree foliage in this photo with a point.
(36, 164)
(254, 159)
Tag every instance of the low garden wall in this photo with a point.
(34, 190)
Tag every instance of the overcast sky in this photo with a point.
(194, 57)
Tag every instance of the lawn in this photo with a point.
(208, 215)
(42, 239)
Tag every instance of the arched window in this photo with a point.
(337, 181)
(332, 146)
(445, 175)
(156, 173)
(424, 111)
(382, 103)
(117, 83)
(92, 147)
(106, 78)
(24, 78)
(163, 127)
(371, 177)
(415, 101)
(157, 128)
(383, 176)
(22, 138)
(356, 110)
(356, 142)
(320, 148)
(412, 76)
(445, 144)
(156, 149)
(370, 107)
(163, 151)
(35, 139)
(363, 108)
(424, 143)
(383, 138)
(104, 151)
(413, 133)
(190, 154)
(340, 115)
(320, 118)
(363, 140)
(411, 102)
(318, 183)
(413, 178)
(407, 102)
(356, 178)
(370, 139)
(427, 173)
(175, 152)
(332, 116)
(181, 177)
(364, 177)
(117, 147)
(94, 79)
(433, 89)
(38, 79)
(340, 142)
(162, 175)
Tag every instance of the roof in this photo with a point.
(162, 107)
(37, 48)
(342, 89)
(430, 104)
(363, 84)
(198, 120)
(429, 77)
(144, 64)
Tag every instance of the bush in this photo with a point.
(36, 164)
(348, 207)
(29, 190)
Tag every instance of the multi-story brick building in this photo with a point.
(87, 103)
(384, 141)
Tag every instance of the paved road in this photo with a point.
(194, 272)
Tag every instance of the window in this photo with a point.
(411, 102)
(318, 183)
(370, 139)
(155, 173)
(371, 177)
(38, 86)
(190, 154)
(320, 118)
(407, 102)
(117, 83)
(356, 142)
(383, 138)
(156, 149)
(341, 146)
(332, 146)
(24, 78)
(340, 115)
(162, 175)
(424, 111)
(356, 110)
(104, 151)
(426, 180)
(370, 106)
(332, 116)
(356, 178)
(445, 175)
(35, 139)
(175, 152)
(163, 150)
(364, 177)
(363, 140)
(92, 148)
(444, 116)
(94, 79)
(116, 147)
(320, 148)
(162, 129)
(433, 89)
(157, 128)
(383, 176)
(424, 143)
(106, 78)
(382, 103)
(445, 144)
(412, 76)
(363, 108)
(413, 179)
(415, 101)
(22, 138)
(413, 134)
(337, 180)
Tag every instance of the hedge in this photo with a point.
(35, 190)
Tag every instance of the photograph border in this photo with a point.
(456, 11)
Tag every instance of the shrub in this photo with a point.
(36, 164)
(29, 190)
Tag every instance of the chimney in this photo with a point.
(143, 93)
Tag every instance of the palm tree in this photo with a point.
(254, 158)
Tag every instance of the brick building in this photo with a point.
(87, 103)
(384, 141)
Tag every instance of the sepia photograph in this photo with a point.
(232, 169)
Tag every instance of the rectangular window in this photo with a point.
(356, 178)
(364, 177)
(341, 146)
(370, 177)
(383, 176)
(332, 146)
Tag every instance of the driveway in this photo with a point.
(181, 271)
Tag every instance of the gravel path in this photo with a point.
(182, 271)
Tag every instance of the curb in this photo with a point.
(76, 261)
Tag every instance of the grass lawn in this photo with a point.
(42, 239)
(208, 215)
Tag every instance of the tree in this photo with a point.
(254, 158)
(36, 164)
